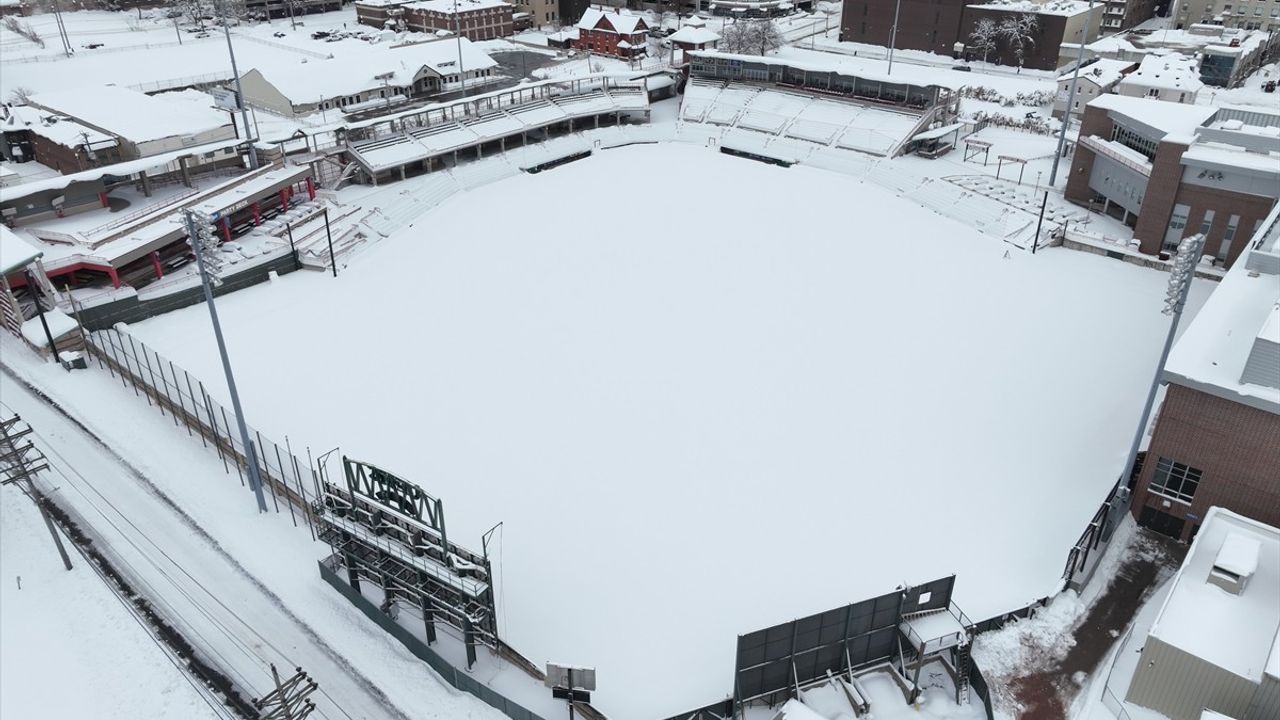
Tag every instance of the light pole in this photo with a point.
(893, 34)
(1180, 277)
(1071, 96)
(457, 30)
(200, 236)
(244, 113)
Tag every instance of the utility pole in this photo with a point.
(457, 30)
(289, 700)
(202, 243)
(62, 29)
(244, 113)
(1071, 96)
(19, 462)
(35, 297)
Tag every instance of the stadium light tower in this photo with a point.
(1180, 277)
(204, 245)
(235, 72)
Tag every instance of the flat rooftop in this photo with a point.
(1169, 117)
(131, 114)
(1235, 632)
(1212, 352)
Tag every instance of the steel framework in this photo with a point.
(389, 532)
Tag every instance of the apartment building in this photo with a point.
(1172, 78)
(473, 19)
(1099, 77)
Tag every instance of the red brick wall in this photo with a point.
(1162, 194)
(605, 42)
(1224, 203)
(1095, 121)
(1237, 448)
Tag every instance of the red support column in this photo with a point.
(155, 264)
(115, 277)
(311, 188)
(257, 214)
(284, 200)
(226, 229)
(102, 198)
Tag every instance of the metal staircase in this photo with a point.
(963, 664)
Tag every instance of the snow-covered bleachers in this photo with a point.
(471, 175)
(845, 124)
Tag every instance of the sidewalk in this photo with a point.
(1036, 667)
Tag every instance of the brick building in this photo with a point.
(1169, 170)
(616, 33)
(1216, 440)
(945, 27)
(474, 19)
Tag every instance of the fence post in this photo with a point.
(122, 367)
(196, 409)
(138, 362)
(287, 501)
(213, 429)
(231, 446)
(185, 420)
(266, 465)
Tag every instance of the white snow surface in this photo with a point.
(1234, 632)
(655, 413)
(132, 114)
(69, 648)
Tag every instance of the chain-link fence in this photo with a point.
(182, 397)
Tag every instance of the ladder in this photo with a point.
(963, 663)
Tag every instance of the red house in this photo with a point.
(617, 34)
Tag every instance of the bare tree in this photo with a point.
(20, 95)
(1019, 32)
(750, 37)
(984, 37)
(24, 29)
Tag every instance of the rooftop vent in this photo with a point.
(1236, 562)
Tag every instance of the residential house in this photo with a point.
(1170, 170)
(1226, 56)
(1173, 77)
(376, 78)
(619, 34)
(1097, 78)
(1213, 650)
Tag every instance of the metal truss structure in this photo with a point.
(389, 532)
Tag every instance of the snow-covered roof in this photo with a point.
(1169, 117)
(1213, 350)
(8, 194)
(15, 253)
(130, 114)
(69, 133)
(905, 74)
(1238, 554)
(1171, 71)
(1233, 632)
(59, 323)
(447, 6)
(1103, 72)
(622, 22)
(1067, 8)
(693, 36)
(359, 70)
(1231, 157)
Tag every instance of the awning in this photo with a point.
(936, 133)
(15, 253)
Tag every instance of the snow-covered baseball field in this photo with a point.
(707, 395)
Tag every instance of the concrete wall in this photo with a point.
(1181, 686)
(257, 91)
(132, 309)
(1236, 447)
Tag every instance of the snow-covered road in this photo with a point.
(236, 614)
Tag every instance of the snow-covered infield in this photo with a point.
(706, 415)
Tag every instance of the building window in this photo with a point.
(1232, 223)
(1175, 480)
(1177, 223)
(1206, 223)
(1133, 140)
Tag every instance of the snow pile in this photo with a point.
(1023, 645)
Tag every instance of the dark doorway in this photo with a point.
(1162, 522)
